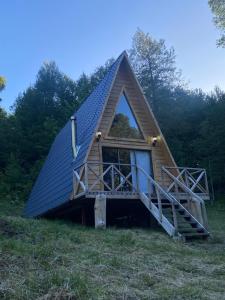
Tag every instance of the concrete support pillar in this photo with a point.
(100, 211)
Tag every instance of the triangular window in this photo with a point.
(124, 124)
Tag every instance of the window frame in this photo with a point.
(143, 139)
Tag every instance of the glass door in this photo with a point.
(121, 160)
(127, 161)
(142, 159)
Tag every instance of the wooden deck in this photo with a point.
(180, 198)
(91, 179)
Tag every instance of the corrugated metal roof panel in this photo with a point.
(53, 186)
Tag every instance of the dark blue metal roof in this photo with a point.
(53, 186)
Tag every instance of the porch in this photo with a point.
(176, 202)
(129, 180)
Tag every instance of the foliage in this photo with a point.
(154, 65)
(2, 86)
(189, 119)
(218, 9)
(38, 114)
(2, 83)
(122, 128)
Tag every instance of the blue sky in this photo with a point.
(82, 34)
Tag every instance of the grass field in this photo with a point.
(42, 259)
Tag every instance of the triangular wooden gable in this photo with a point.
(126, 82)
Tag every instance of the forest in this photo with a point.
(192, 121)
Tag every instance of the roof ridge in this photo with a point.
(124, 53)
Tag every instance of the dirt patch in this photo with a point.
(7, 230)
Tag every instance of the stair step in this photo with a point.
(187, 217)
(186, 221)
(189, 230)
(195, 234)
(173, 210)
(186, 225)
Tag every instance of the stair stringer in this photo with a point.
(163, 221)
(188, 214)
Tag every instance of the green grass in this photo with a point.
(41, 259)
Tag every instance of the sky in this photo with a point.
(80, 35)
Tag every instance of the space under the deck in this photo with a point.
(119, 212)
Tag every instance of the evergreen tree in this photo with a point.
(218, 9)
(154, 65)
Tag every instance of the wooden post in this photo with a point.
(150, 192)
(159, 203)
(174, 217)
(100, 211)
(112, 178)
(86, 176)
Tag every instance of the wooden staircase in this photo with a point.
(187, 226)
(173, 215)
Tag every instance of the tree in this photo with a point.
(209, 146)
(121, 127)
(2, 86)
(41, 111)
(218, 9)
(38, 114)
(2, 83)
(154, 65)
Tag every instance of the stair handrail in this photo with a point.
(183, 186)
(194, 196)
(170, 197)
(185, 174)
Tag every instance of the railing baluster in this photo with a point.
(206, 183)
(177, 192)
(174, 216)
(150, 192)
(159, 203)
(137, 179)
(186, 178)
(112, 178)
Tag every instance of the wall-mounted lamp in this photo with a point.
(98, 135)
(154, 140)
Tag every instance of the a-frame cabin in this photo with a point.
(112, 154)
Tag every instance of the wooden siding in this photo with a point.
(160, 155)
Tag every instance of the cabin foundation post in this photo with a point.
(100, 211)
